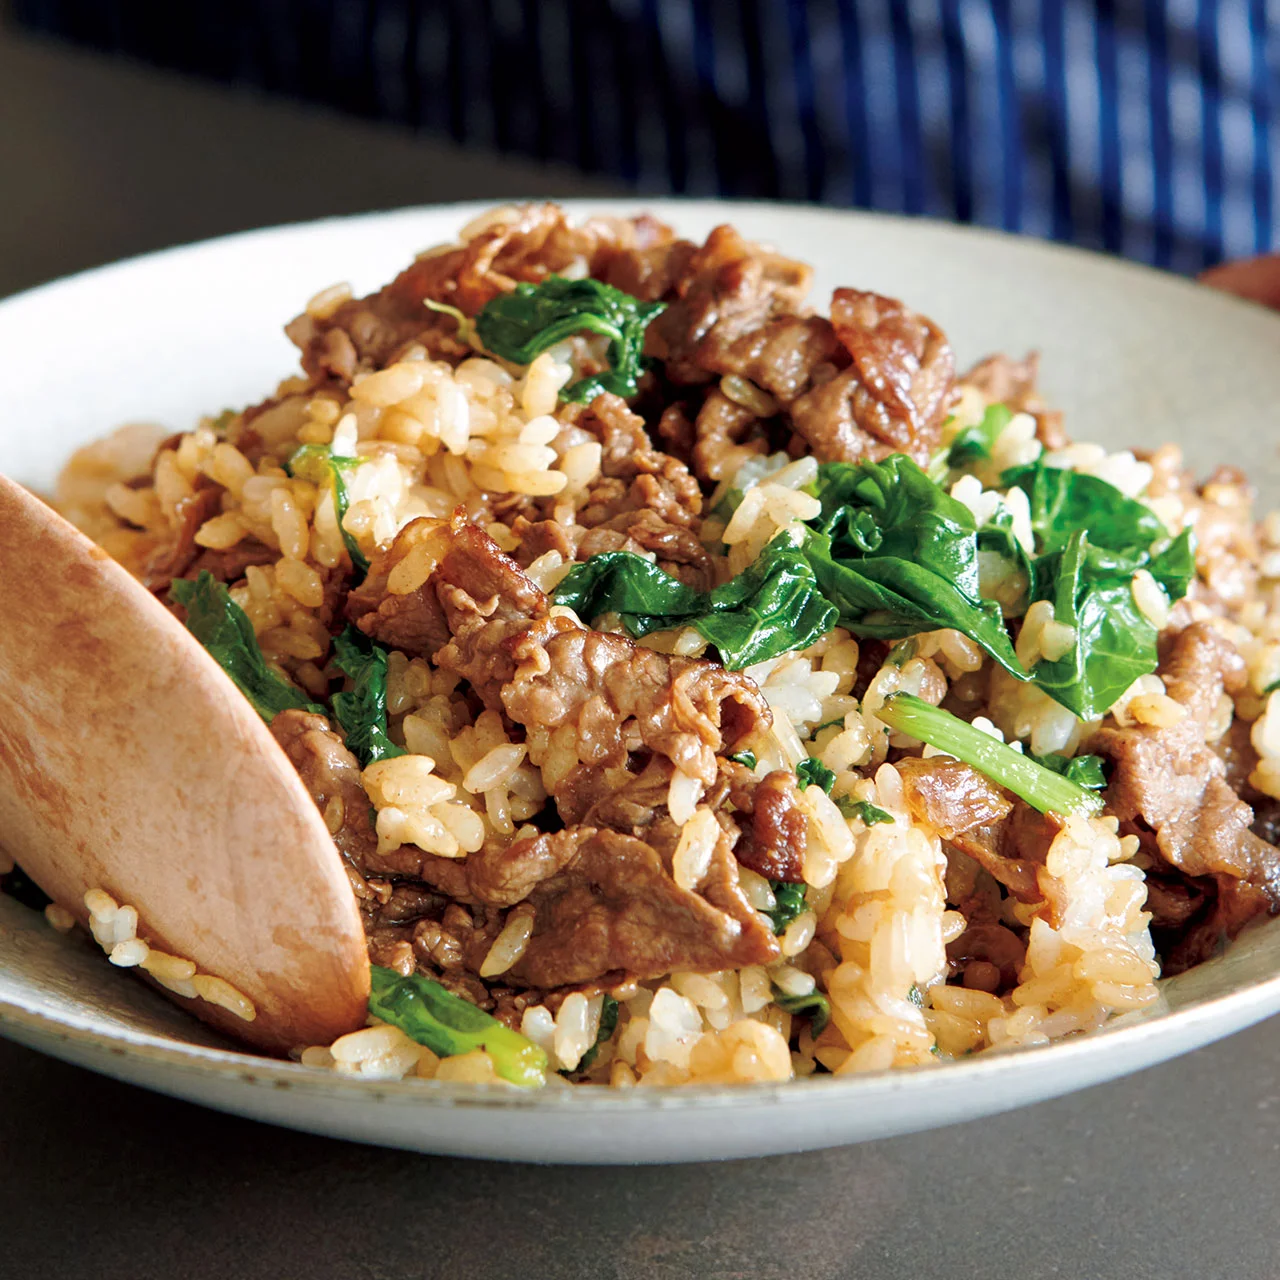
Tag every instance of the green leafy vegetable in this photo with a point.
(1090, 540)
(771, 608)
(815, 1006)
(788, 902)
(448, 1025)
(1092, 590)
(746, 758)
(916, 996)
(975, 443)
(22, 888)
(1040, 787)
(520, 325)
(1086, 771)
(897, 555)
(1064, 502)
(608, 1025)
(1271, 688)
(324, 468)
(362, 712)
(864, 809)
(224, 630)
(811, 771)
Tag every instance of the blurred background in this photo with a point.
(1143, 127)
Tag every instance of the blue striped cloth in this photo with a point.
(1146, 127)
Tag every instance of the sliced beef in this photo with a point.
(1005, 836)
(331, 775)
(726, 437)
(731, 299)
(634, 475)
(676, 547)
(1167, 782)
(528, 244)
(413, 621)
(544, 672)
(614, 905)
(174, 557)
(774, 826)
(894, 395)
(1003, 380)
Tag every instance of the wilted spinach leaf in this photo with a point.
(788, 902)
(864, 809)
(520, 325)
(897, 555)
(815, 1006)
(1085, 771)
(324, 468)
(362, 711)
(771, 608)
(975, 443)
(813, 772)
(224, 630)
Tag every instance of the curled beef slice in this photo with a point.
(546, 672)
(524, 245)
(634, 476)
(331, 776)
(1007, 838)
(616, 906)
(724, 439)
(725, 307)
(1169, 782)
(410, 621)
(894, 394)
(774, 826)
(605, 901)
(676, 547)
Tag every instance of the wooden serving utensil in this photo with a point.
(129, 762)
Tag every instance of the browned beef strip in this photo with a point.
(614, 906)
(1170, 782)
(634, 475)
(1006, 837)
(1004, 380)
(175, 556)
(773, 841)
(331, 775)
(545, 671)
(893, 396)
(676, 547)
(989, 943)
(414, 622)
(536, 241)
(730, 291)
(724, 437)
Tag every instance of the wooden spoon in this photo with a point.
(129, 762)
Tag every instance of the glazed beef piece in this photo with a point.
(876, 378)
(604, 901)
(331, 775)
(1171, 787)
(894, 395)
(1004, 835)
(524, 246)
(634, 476)
(676, 547)
(601, 889)
(773, 841)
(1003, 380)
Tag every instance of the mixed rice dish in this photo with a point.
(700, 688)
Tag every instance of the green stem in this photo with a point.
(1041, 788)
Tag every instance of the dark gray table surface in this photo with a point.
(1175, 1172)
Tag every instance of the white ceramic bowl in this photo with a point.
(1133, 356)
